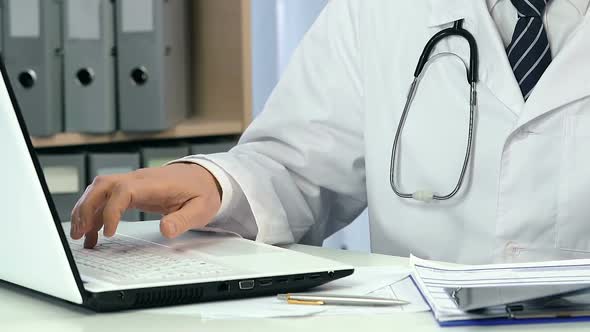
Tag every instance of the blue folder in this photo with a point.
(509, 321)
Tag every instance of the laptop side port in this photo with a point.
(315, 276)
(265, 282)
(282, 281)
(246, 284)
(298, 278)
(223, 287)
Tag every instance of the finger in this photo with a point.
(74, 226)
(91, 238)
(79, 228)
(76, 221)
(195, 213)
(91, 202)
(119, 201)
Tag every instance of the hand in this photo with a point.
(186, 194)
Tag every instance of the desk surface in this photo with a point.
(24, 311)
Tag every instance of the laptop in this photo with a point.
(128, 271)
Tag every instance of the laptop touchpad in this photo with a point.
(218, 246)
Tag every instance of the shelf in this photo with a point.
(197, 126)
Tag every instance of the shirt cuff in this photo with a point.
(222, 177)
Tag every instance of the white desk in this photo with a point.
(25, 311)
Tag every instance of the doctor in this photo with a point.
(322, 149)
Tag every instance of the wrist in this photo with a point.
(211, 181)
(204, 172)
(214, 179)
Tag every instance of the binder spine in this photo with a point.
(90, 105)
(33, 56)
(152, 65)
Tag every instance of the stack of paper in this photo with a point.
(434, 278)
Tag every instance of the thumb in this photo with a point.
(193, 214)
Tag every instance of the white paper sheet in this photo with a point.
(403, 289)
(387, 282)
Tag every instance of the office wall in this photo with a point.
(294, 17)
(277, 28)
(265, 69)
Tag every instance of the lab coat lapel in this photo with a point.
(495, 71)
(566, 80)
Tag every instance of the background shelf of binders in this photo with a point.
(196, 126)
(221, 80)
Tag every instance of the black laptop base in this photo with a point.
(206, 292)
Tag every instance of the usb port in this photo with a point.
(315, 276)
(246, 284)
(282, 280)
(223, 287)
(265, 282)
(298, 278)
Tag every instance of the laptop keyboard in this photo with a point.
(125, 259)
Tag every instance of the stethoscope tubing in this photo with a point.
(472, 77)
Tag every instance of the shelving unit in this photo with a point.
(221, 85)
(196, 126)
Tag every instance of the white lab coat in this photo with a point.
(321, 149)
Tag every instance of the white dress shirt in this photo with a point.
(561, 18)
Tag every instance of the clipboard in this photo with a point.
(560, 306)
(479, 298)
(505, 294)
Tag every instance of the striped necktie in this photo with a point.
(529, 52)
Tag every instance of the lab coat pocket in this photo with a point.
(573, 228)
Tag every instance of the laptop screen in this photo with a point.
(33, 251)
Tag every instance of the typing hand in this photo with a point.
(186, 194)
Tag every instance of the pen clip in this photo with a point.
(287, 297)
(289, 301)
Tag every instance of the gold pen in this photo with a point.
(324, 299)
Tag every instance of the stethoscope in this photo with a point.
(472, 78)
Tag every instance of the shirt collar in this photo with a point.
(581, 5)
